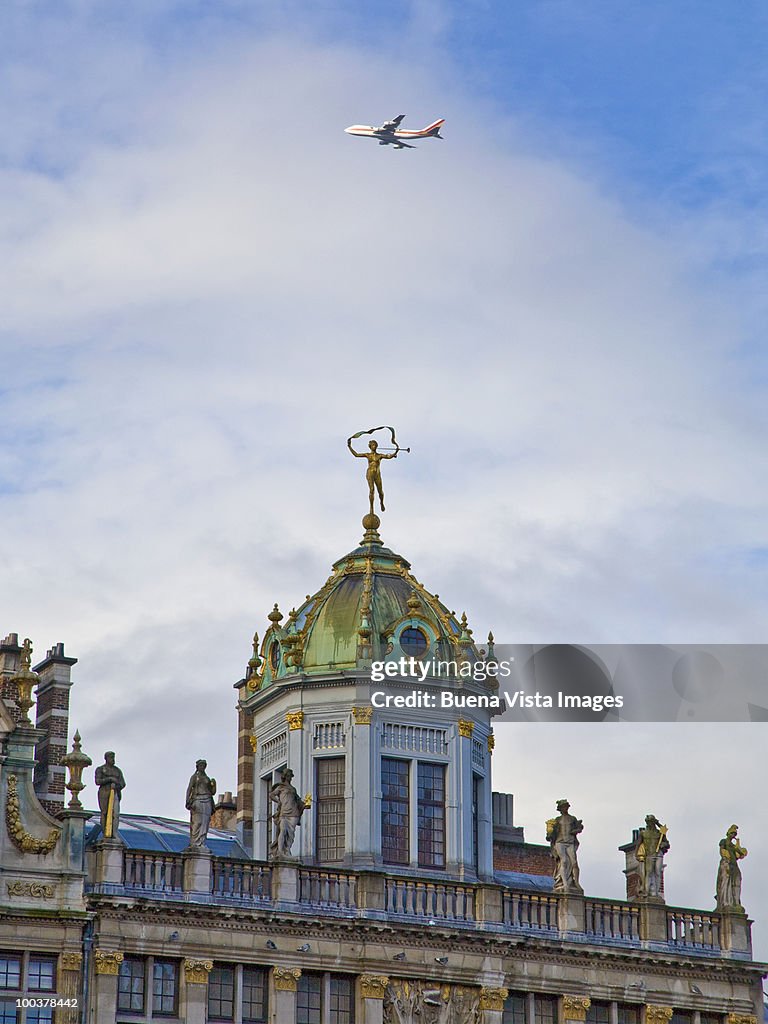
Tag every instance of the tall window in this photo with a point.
(25, 974)
(545, 1009)
(130, 985)
(254, 995)
(514, 1008)
(330, 838)
(221, 993)
(476, 784)
(165, 988)
(395, 832)
(629, 1013)
(431, 815)
(599, 1012)
(325, 999)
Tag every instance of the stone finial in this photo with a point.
(75, 761)
(373, 986)
(254, 665)
(275, 616)
(25, 679)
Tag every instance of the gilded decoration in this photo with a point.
(196, 971)
(286, 978)
(254, 742)
(373, 986)
(491, 743)
(107, 961)
(295, 720)
(21, 838)
(35, 890)
(493, 998)
(363, 716)
(741, 1018)
(658, 1014)
(71, 961)
(575, 1007)
(466, 728)
(419, 1002)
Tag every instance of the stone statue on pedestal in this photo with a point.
(728, 894)
(199, 803)
(111, 783)
(651, 847)
(287, 817)
(562, 835)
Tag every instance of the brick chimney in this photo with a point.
(53, 717)
(225, 813)
(9, 666)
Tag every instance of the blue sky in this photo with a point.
(207, 287)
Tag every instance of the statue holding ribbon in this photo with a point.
(374, 455)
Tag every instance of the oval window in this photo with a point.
(413, 642)
(274, 656)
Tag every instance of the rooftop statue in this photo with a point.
(199, 803)
(111, 783)
(652, 846)
(562, 835)
(728, 894)
(287, 817)
(374, 455)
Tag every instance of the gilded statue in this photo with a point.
(728, 894)
(374, 455)
(651, 847)
(111, 783)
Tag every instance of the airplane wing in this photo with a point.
(396, 120)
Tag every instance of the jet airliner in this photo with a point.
(391, 134)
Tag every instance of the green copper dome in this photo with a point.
(370, 607)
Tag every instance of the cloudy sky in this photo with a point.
(207, 287)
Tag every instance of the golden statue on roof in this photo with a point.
(374, 455)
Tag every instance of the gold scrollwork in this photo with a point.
(657, 1014)
(107, 961)
(71, 961)
(575, 1007)
(373, 986)
(286, 979)
(491, 743)
(21, 838)
(35, 890)
(493, 998)
(466, 728)
(363, 716)
(295, 720)
(196, 971)
(742, 1018)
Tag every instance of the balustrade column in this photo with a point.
(372, 988)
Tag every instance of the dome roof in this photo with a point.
(370, 607)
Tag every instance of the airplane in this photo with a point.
(391, 134)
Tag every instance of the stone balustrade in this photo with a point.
(380, 895)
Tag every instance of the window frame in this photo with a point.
(336, 803)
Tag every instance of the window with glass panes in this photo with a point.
(131, 985)
(221, 993)
(711, 1018)
(10, 971)
(165, 988)
(395, 796)
(41, 974)
(682, 1017)
(329, 817)
(476, 783)
(8, 1011)
(325, 999)
(431, 814)
(545, 1009)
(598, 1012)
(39, 1015)
(629, 1013)
(254, 995)
(514, 1008)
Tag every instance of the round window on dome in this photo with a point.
(274, 656)
(413, 642)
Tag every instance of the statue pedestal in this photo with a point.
(653, 919)
(285, 881)
(735, 931)
(197, 870)
(109, 862)
(570, 912)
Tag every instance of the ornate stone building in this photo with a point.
(365, 873)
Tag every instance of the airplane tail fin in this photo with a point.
(432, 131)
